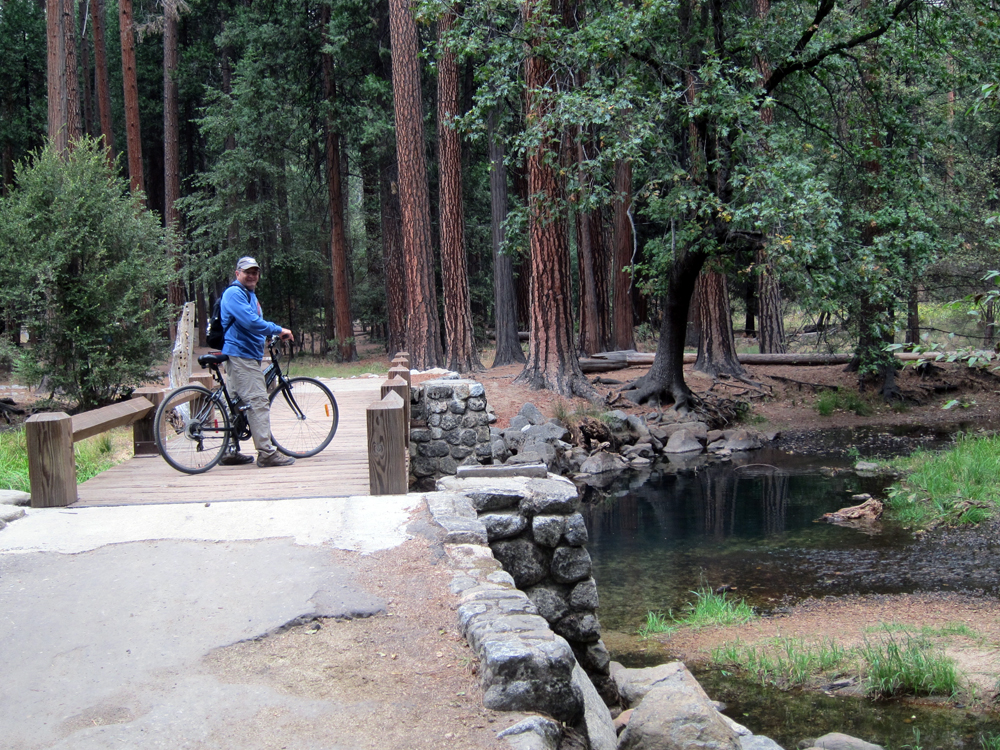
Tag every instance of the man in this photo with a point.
(246, 331)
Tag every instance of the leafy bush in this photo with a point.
(87, 271)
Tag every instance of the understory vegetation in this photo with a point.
(708, 608)
(954, 486)
(888, 663)
(93, 456)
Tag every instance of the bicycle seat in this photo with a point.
(212, 359)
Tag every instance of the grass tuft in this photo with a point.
(910, 666)
(837, 399)
(955, 486)
(708, 608)
(93, 456)
(783, 662)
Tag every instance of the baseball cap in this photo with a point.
(246, 262)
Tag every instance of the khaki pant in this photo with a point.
(246, 381)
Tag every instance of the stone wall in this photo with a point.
(534, 529)
(449, 427)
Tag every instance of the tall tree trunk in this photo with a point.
(590, 341)
(552, 360)
(772, 323)
(423, 331)
(393, 256)
(63, 87)
(716, 346)
(664, 383)
(460, 345)
(131, 86)
(504, 292)
(347, 350)
(913, 317)
(623, 335)
(88, 94)
(171, 144)
(101, 74)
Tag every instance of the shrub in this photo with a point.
(87, 271)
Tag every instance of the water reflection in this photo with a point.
(730, 524)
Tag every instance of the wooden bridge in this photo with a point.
(367, 455)
(340, 470)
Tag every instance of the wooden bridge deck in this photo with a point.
(340, 470)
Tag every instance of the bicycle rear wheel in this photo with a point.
(191, 431)
(304, 417)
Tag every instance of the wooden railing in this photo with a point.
(389, 432)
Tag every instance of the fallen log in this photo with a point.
(606, 361)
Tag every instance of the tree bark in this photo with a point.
(664, 383)
(393, 256)
(88, 94)
(716, 346)
(347, 350)
(131, 87)
(552, 360)
(508, 350)
(423, 331)
(63, 88)
(171, 144)
(460, 345)
(591, 341)
(102, 77)
(623, 334)
(772, 321)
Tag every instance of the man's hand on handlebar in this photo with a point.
(286, 335)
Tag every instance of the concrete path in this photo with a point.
(106, 614)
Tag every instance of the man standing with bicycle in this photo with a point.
(246, 330)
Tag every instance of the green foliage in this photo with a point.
(954, 486)
(989, 741)
(87, 270)
(23, 109)
(838, 399)
(907, 666)
(93, 456)
(708, 608)
(783, 662)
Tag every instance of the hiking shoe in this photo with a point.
(235, 458)
(274, 459)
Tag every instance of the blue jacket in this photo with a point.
(245, 327)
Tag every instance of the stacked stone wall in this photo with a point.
(449, 427)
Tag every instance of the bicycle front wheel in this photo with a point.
(303, 417)
(191, 431)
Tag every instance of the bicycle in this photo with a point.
(194, 426)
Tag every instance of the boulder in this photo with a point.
(550, 600)
(676, 717)
(597, 724)
(601, 463)
(575, 533)
(698, 429)
(10, 513)
(530, 412)
(743, 440)
(569, 564)
(838, 741)
(534, 733)
(682, 441)
(758, 742)
(633, 684)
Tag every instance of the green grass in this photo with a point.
(784, 662)
(927, 631)
(827, 402)
(955, 486)
(93, 456)
(708, 608)
(317, 367)
(989, 741)
(907, 666)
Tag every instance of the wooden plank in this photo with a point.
(143, 440)
(386, 446)
(340, 470)
(51, 463)
(96, 421)
(402, 387)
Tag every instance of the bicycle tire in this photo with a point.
(304, 417)
(191, 431)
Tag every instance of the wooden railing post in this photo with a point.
(402, 358)
(400, 386)
(143, 440)
(51, 463)
(400, 372)
(204, 379)
(386, 446)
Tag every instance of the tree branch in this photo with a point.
(794, 65)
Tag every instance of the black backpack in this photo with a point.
(216, 337)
